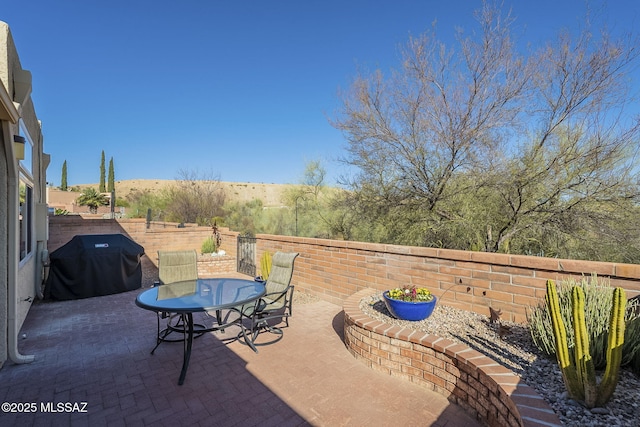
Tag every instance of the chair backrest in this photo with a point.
(281, 271)
(177, 266)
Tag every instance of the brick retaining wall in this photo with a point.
(336, 269)
(487, 390)
(473, 281)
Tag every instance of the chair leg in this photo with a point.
(258, 326)
(162, 336)
(179, 327)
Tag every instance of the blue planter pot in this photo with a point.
(406, 310)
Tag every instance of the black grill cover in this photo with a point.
(94, 265)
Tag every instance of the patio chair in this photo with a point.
(174, 266)
(275, 306)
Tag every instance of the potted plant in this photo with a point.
(409, 302)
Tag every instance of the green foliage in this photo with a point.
(111, 183)
(313, 211)
(265, 265)
(578, 372)
(91, 198)
(122, 202)
(209, 246)
(103, 188)
(246, 218)
(141, 201)
(535, 155)
(63, 179)
(597, 306)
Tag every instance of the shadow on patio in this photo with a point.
(96, 350)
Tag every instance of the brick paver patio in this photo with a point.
(96, 350)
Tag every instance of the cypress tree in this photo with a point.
(111, 185)
(103, 188)
(63, 180)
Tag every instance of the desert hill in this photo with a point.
(270, 194)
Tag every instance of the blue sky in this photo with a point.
(242, 90)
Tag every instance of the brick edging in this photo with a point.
(487, 390)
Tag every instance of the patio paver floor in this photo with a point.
(96, 350)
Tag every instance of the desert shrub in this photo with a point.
(598, 300)
(140, 201)
(209, 246)
(194, 198)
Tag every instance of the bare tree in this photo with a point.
(195, 198)
(441, 114)
(544, 137)
(579, 156)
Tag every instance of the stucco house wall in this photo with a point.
(20, 275)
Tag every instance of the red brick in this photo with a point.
(434, 379)
(493, 277)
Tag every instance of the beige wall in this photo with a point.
(19, 278)
(335, 270)
(66, 200)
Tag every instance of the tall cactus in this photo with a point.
(614, 347)
(585, 369)
(579, 373)
(568, 369)
(265, 265)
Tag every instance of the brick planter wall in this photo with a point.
(486, 390)
(209, 266)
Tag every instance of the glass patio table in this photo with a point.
(192, 296)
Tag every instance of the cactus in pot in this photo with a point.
(578, 372)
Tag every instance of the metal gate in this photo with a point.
(247, 255)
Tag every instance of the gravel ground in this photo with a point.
(510, 344)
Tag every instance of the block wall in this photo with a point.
(336, 269)
(472, 281)
(154, 237)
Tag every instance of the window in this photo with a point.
(26, 218)
(26, 197)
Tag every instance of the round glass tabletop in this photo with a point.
(200, 295)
